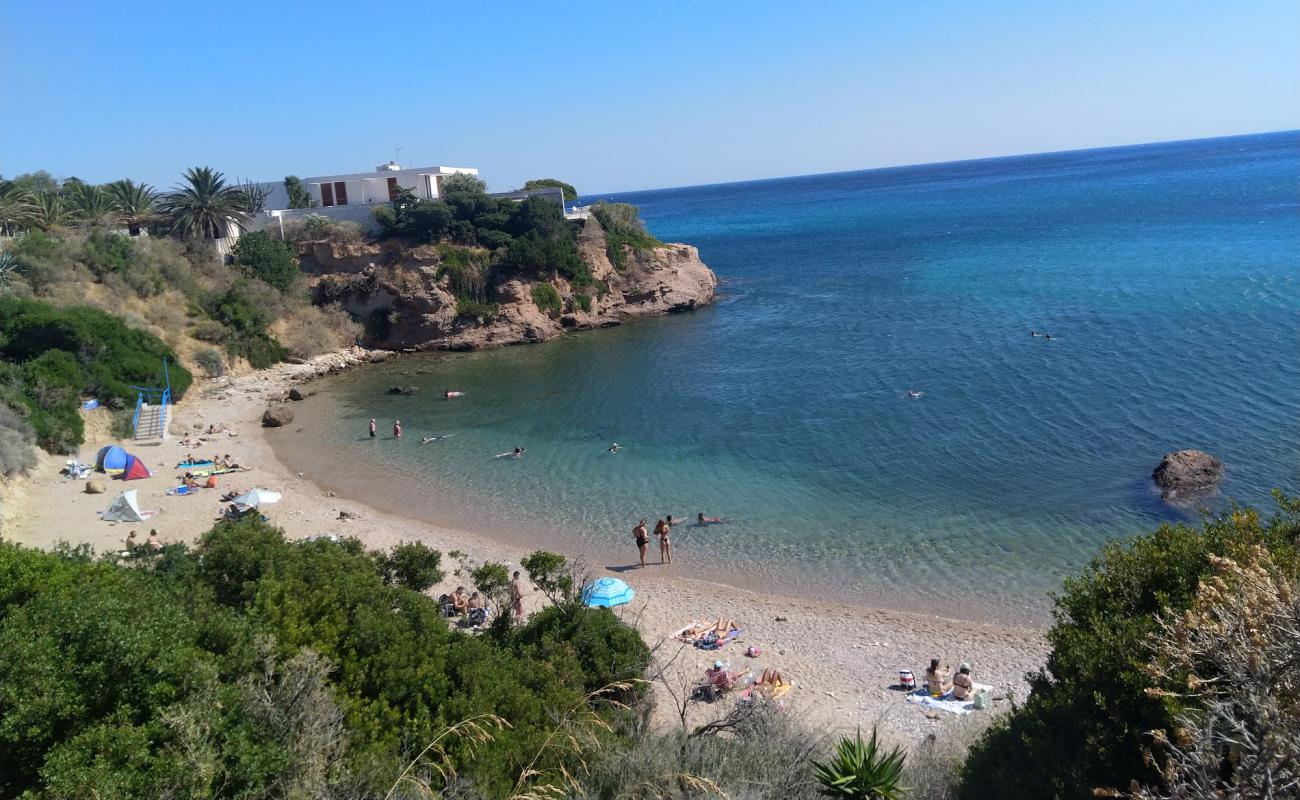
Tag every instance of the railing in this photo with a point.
(144, 394)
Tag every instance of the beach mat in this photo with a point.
(921, 697)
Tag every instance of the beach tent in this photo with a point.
(124, 508)
(111, 459)
(134, 469)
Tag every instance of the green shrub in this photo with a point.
(474, 309)
(413, 565)
(859, 770)
(16, 440)
(268, 259)
(582, 301)
(624, 231)
(211, 362)
(570, 193)
(299, 197)
(547, 298)
(1085, 724)
(108, 253)
(246, 320)
(604, 647)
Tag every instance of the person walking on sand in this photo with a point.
(641, 540)
(397, 429)
(517, 597)
(665, 546)
(373, 429)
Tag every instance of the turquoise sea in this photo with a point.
(1168, 276)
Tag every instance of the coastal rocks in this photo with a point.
(296, 394)
(277, 417)
(403, 294)
(405, 391)
(1187, 472)
(95, 487)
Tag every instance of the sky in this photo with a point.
(617, 96)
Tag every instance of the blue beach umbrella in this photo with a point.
(607, 592)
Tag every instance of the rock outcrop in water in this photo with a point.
(404, 295)
(1186, 473)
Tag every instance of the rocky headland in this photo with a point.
(405, 295)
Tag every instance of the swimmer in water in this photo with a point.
(703, 520)
(519, 451)
(1047, 335)
(428, 439)
(915, 395)
(1033, 333)
(615, 447)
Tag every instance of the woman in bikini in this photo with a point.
(665, 545)
(641, 539)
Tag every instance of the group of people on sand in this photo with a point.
(153, 544)
(961, 684)
(663, 532)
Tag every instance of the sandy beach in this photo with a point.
(843, 659)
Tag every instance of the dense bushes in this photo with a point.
(546, 298)
(1088, 720)
(570, 193)
(254, 667)
(267, 259)
(246, 320)
(56, 355)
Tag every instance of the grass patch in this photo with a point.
(476, 309)
(547, 298)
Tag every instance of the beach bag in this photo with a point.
(906, 679)
(981, 701)
(754, 651)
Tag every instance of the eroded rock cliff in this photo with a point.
(404, 295)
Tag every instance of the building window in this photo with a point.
(392, 189)
(334, 194)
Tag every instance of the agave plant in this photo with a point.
(255, 196)
(135, 203)
(8, 268)
(205, 206)
(48, 211)
(92, 204)
(861, 770)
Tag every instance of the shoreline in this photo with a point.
(841, 656)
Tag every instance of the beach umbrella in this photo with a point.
(607, 592)
(255, 498)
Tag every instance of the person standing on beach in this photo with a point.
(517, 597)
(397, 429)
(641, 540)
(665, 546)
(373, 429)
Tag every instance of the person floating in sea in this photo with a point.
(1033, 333)
(915, 395)
(641, 540)
(397, 429)
(614, 447)
(700, 519)
(373, 429)
(449, 393)
(1047, 335)
(665, 545)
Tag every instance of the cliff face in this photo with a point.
(404, 301)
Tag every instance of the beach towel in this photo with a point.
(207, 473)
(775, 695)
(181, 491)
(688, 633)
(189, 463)
(946, 702)
(711, 640)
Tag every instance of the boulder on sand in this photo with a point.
(277, 417)
(94, 487)
(296, 394)
(1187, 472)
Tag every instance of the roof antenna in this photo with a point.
(397, 152)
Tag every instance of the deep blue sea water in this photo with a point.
(1168, 276)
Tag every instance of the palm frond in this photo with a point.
(204, 206)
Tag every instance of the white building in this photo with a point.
(380, 186)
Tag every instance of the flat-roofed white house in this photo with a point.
(380, 186)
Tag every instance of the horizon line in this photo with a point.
(939, 163)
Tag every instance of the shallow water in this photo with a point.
(1168, 276)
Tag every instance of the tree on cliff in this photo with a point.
(570, 193)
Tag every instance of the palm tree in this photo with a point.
(15, 207)
(204, 206)
(135, 202)
(48, 211)
(92, 204)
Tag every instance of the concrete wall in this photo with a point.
(362, 214)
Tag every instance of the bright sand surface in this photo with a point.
(842, 658)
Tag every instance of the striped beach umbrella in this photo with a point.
(607, 592)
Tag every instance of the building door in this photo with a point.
(327, 194)
(340, 193)
(392, 189)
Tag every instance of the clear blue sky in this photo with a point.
(623, 95)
